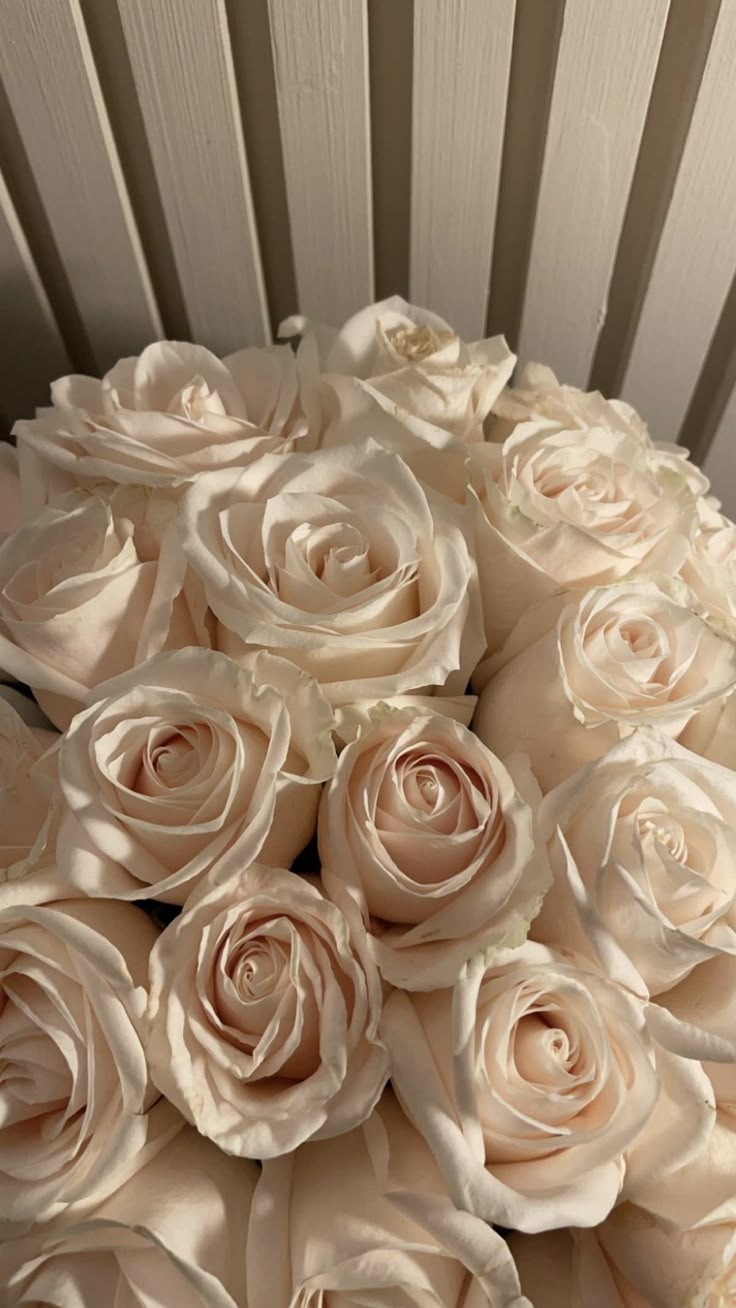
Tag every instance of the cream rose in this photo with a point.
(74, 1091)
(710, 568)
(263, 1015)
(79, 604)
(557, 512)
(630, 1261)
(23, 802)
(188, 760)
(413, 359)
(426, 843)
(619, 657)
(344, 565)
(162, 418)
(10, 502)
(345, 1236)
(649, 854)
(170, 1236)
(529, 1081)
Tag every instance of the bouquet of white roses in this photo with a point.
(368, 846)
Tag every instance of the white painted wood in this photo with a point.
(696, 255)
(720, 461)
(32, 352)
(321, 63)
(183, 69)
(49, 77)
(462, 56)
(605, 68)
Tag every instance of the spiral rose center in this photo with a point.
(417, 343)
(172, 758)
(256, 967)
(546, 1049)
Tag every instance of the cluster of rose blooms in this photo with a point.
(368, 918)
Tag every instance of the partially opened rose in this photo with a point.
(538, 395)
(651, 832)
(264, 1015)
(79, 604)
(23, 802)
(162, 418)
(558, 512)
(74, 1091)
(619, 657)
(529, 1081)
(345, 565)
(327, 1227)
(710, 568)
(427, 844)
(188, 759)
(170, 1237)
(413, 359)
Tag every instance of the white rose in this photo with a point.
(162, 418)
(79, 603)
(537, 394)
(264, 1015)
(186, 760)
(529, 1081)
(557, 510)
(426, 843)
(650, 831)
(75, 1094)
(23, 802)
(365, 1220)
(10, 502)
(145, 1245)
(415, 361)
(710, 568)
(343, 564)
(619, 657)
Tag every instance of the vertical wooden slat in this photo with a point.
(183, 69)
(321, 61)
(696, 257)
(720, 462)
(462, 55)
(51, 84)
(605, 67)
(32, 353)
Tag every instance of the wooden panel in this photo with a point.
(51, 83)
(605, 67)
(696, 257)
(182, 64)
(462, 55)
(720, 462)
(321, 60)
(32, 353)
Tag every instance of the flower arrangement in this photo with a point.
(368, 846)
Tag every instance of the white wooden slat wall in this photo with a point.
(234, 139)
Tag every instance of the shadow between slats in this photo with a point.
(250, 39)
(390, 37)
(537, 29)
(685, 47)
(715, 384)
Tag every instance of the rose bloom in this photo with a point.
(10, 502)
(23, 801)
(710, 568)
(650, 830)
(528, 1080)
(618, 657)
(79, 604)
(74, 1089)
(162, 418)
(344, 564)
(414, 361)
(630, 1261)
(263, 1015)
(188, 759)
(426, 843)
(557, 510)
(171, 1235)
(349, 1232)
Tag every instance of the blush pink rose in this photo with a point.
(365, 1220)
(345, 565)
(618, 657)
(529, 1081)
(186, 760)
(162, 418)
(75, 1093)
(426, 843)
(264, 1016)
(171, 1235)
(78, 602)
